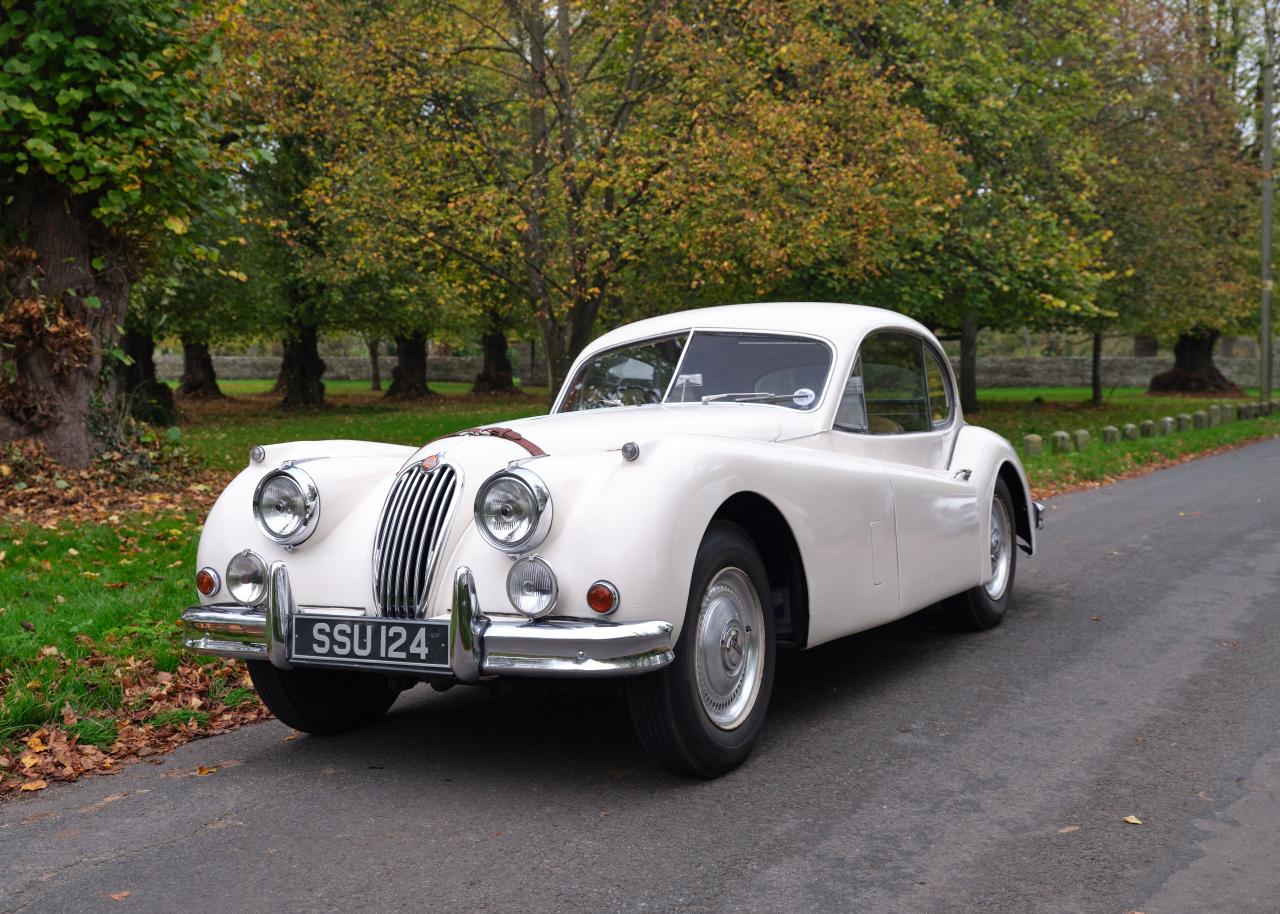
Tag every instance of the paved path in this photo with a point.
(912, 769)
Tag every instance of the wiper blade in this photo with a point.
(752, 396)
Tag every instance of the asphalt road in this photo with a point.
(911, 769)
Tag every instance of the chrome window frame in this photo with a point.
(558, 407)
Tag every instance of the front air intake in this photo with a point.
(411, 532)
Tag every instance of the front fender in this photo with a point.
(988, 456)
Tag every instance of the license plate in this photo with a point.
(388, 644)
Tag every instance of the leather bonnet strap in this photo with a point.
(507, 434)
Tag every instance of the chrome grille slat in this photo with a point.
(410, 533)
(418, 555)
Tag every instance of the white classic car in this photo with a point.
(710, 487)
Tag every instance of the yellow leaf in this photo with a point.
(30, 761)
(119, 896)
(36, 744)
(5, 470)
(202, 770)
(73, 551)
(39, 784)
(176, 224)
(1133, 820)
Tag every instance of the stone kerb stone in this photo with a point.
(1147, 428)
(1129, 432)
(1200, 419)
(1061, 442)
(1165, 426)
(1184, 422)
(1110, 434)
(1081, 439)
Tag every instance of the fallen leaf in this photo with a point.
(117, 585)
(1133, 820)
(174, 564)
(202, 770)
(293, 735)
(39, 784)
(30, 761)
(1068, 829)
(119, 896)
(28, 626)
(36, 744)
(73, 551)
(1095, 618)
(90, 574)
(59, 599)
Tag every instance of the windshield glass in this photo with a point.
(630, 375)
(787, 371)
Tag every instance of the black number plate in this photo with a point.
(406, 645)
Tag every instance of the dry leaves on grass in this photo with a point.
(55, 753)
(37, 490)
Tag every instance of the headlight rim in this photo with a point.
(310, 499)
(542, 500)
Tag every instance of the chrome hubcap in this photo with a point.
(1001, 550)
(729, 655)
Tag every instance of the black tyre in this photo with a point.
(984, 606)
(701, 715)
(322, 702)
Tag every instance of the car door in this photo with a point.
(898, 407)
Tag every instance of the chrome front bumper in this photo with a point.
(478, 646)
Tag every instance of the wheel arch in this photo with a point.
(783, 562)
(1024, 526)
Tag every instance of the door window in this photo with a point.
(887, 392)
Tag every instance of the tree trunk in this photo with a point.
(375, 373)
(60, 317)
(149, 399)
(969, 363)
(1145, 345)
(1193, 370)
(495, 373)
(409, 378)
(301, 370)
(199, 381)
(1096, 369)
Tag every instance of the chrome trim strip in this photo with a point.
(466, 628)
(310, 500)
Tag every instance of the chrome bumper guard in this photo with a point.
(1038, 508)
(478, 645)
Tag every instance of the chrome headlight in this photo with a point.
(286, 505)
(247, 578)
(513, 510)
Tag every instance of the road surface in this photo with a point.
(912, 769)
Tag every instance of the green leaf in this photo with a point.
(92, 301)
(176, 224)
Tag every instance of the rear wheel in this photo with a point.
(701, 715)
(984, 606)
(322, 702)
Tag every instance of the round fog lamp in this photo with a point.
(532, 588)
(247, 578)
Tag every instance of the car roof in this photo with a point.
(830, 320)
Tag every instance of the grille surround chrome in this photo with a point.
(411, 533)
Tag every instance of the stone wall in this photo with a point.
(1117, 371)
(529, 366)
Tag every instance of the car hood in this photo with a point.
(608, 429)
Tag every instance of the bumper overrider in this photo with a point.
(478, 646)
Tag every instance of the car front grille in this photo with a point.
(411, 532)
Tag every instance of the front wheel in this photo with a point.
(701, 715)
(322, 702)
(984, 606)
